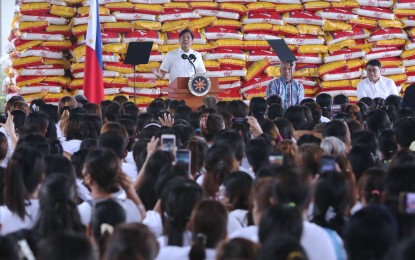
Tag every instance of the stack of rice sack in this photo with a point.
(332, 41)
(38, 48)
(121, 22)
(405, 11)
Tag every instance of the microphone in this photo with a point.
(192, 57)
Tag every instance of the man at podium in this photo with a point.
(179, 62)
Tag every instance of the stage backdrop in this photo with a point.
(331, 39)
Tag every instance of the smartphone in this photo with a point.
(407, 203)
(184, 159)
(276, 158)
(327, 164)
(168, 142)
(335, 109)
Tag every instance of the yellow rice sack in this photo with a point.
(66, 44)
(310, 29)
(259, 6)
(285, 29)
(284, 8)
(153, 9)
(201, 22)
(84, 10)
(356, 63)
(391, 24)
(332, 66)
(335, 83)
(58, 28)
(175, 25)
(176, 5)
(35, 8)
(64, 63)
(318, 5)
(147, 67)
(226, 23)
(256, 68)
(232, 62)
(407, 54)
(340, 45)
(257, 27)
(29, 80)
(147, 25)
(346, 4)
(229, 79)
(168, 47)
(28, 44)
(410, 69)
(63, 11)
(120, 48)
(273, 71)
(240, 8)
(354, 82)
(312, 49)
(330, 26)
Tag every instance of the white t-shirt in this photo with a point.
(10, 149)
(187, 240)
(178, 67)
(176, 252)
(154, 223)
(130, 170)
(71, 146)
(131, 211)
(317, 243)
(250, 233)
(382, 88)
(11, 222)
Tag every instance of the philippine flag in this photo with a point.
(93, 81)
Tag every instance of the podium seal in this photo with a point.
(199, 85)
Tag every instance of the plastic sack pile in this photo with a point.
(332, 41)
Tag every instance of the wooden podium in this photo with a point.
(178, 89)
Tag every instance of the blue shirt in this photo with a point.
(282, 88)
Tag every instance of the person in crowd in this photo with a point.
(375, 85)
(237, 248)
(132, 241)
(22, 180)
(290, 90)
(178, 63)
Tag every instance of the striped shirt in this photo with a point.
(291, 92)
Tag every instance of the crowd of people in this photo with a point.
(323, 179)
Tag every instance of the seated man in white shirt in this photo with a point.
(176, 64)
(375, 85)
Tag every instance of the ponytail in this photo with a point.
(197, 252)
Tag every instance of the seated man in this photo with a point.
(375, 85)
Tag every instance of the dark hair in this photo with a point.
(19, 118)
(366, 137)
(290, 187)
(220, 161)
(3, 146)
(405, 133)
(177, 202)
(22, 177)
(325, 101)
(258, 107)
(35, 141)
(399, 179)
(132, 241)
(371, 185)
(238, 108)
(112, 112)
(285, 128)
(58, 211)
(308, 139)
(198, 150)
(258, 151)
(120, 99)
(295, 115)
(238, 187)
(115, 142)
(11, 102)
(282, 247)
(335, 128)
(66, 246)
(131, 109)
(182, 112)
(140, 152)
(340, 99)
(387, 143)
(409, 97)
(233, 139)
(369, 234)
(37, 122)
(331, 198)
(78, 160)
(281, 219)
(361, 159)
(209, 220)
(214, 123)
(237, 249)
(159, 164)
(104, 168)
(184, 132)
(274, 99)
(186, 31)
(374, 62)
(59, 164)
(377, 120)
(275, 111)
(105, 212)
